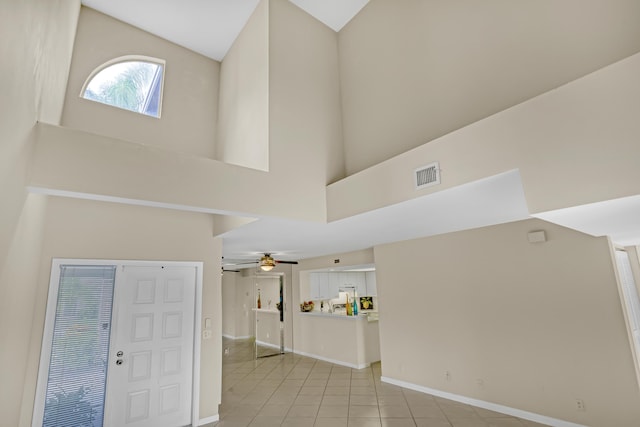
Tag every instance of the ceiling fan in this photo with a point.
(266, 262)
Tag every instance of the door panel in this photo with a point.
(149, 381)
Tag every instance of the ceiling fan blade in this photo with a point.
(239, 264)
(286, 262)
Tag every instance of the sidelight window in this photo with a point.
(631, 302)
(77, 362)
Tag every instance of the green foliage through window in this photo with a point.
(131, 85)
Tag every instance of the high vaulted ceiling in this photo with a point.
(209, 27)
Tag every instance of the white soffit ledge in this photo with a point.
(493, 200)
(617, 218)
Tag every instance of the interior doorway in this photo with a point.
(269, 309)
(121, 345)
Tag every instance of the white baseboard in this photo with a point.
(231, 337)
(266, 344)
(209, 420)
(336, 362)
(543, 419)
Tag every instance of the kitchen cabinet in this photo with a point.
(319, 283)
(358, 279)
(334, 284)
(327, 285)
(372, 289)
(352, 279)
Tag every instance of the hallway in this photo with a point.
(295, 391)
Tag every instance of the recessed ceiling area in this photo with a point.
(209, 27)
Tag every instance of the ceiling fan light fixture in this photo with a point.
(267, 263)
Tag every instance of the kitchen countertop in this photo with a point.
(265, 310)
(369, 315)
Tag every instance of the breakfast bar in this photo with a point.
(345, 340)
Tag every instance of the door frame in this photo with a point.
(52, 301)
(282, 323)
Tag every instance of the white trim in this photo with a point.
(136, 202)
(276, 346)
(231, 337)
(267, 344)
(45, 352)
(128, 58)
(197, 337)
(627, 313)
(334, 361)
(209, 420)
(543, 419)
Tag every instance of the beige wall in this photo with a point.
(70, 160)
(540, 324)
(243, 129)
(36, 40)
(437, 66)
(336, 339)
(557, 141)
(228, 289)
(245, 317)
(97, 230)
(305, 131)
(362, 257)
(18, 287)
(189, 100)
(280, 105)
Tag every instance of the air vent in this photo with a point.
(427, 176)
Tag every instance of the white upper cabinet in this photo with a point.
(327, 285)
(334, 284)
(358, 278)
(372, 290)
(319, 283)
(352, 279)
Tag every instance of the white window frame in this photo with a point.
(634, 342)
(128, 58)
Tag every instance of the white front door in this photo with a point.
(150, 374)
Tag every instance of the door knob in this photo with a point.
(120, 354)
(119, 362)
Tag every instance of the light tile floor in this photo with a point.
(295, 391)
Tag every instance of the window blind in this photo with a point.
(80, 346)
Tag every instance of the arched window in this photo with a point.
(131, 83)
